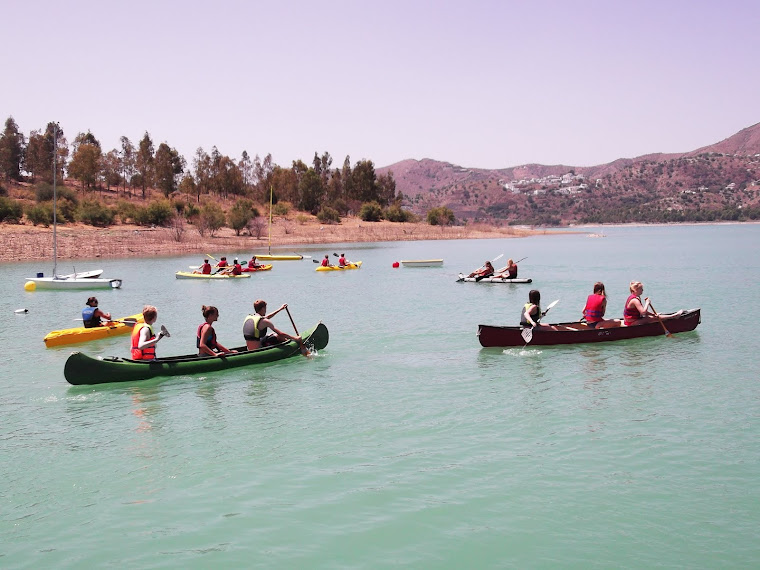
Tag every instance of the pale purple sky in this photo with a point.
(479, 84)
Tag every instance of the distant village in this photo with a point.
(569, 183)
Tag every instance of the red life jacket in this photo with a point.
(206, 269)
(593, 310)
(631, 314)
(342, 261)
(146, 353)
(325, 262)
(237, 269)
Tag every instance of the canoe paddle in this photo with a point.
(304, 350)
(659, 318)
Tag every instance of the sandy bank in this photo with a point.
(78, 241)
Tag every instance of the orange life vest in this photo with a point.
(146, 353)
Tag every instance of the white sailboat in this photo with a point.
(74, 281)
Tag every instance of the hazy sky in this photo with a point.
(479, 84)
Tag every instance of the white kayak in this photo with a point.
(463, 277)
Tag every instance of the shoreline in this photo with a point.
(82, 242)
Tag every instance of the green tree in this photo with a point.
(364, 182)
(111, 169)
(210, 219)
(440, 216)
(202, 168)
(12, 147)
(42, 148)
(85, 161)
(240, 214)
(144, 162)
(310, 191)
(168, 165)
(128, 158)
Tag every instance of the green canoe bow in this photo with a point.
(82, 369)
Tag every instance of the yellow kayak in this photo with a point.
(352, 265)
(81, 334)
(191, 275)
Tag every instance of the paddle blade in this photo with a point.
(165, 332)
(527, 334)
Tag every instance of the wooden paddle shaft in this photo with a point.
(659, 318)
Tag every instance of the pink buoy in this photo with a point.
(395, 265)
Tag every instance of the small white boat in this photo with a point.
(84, 274)
(422, 262)
(78, 283)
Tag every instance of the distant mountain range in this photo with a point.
(717, 182)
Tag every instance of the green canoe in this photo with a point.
(83, 369)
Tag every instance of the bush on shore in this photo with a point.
(10, 210)
(371, 212)
(94, 213)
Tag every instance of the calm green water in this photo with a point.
(403, 442)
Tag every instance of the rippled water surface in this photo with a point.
(403, 442)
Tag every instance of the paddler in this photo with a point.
(635, 312)
(509, 271)
(485, 271)
(531, 313)
(596, 306)
(342, 260)
(253, 264)
(91, 315)
(144, 340)
(326, 261)
(204, 269)
(235, 269)
(206, 336)
(255, 327)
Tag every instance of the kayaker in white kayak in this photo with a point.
(509, 271)
(91, 315)
(255, 327)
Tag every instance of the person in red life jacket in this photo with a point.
(509, 271)
(206, 336)
(204, 269)
(253, 264)
(221, 265)
(91, 315)
(596, 306)
(235, 269)
(255, 327)
(485, 271)
(634, 312)
(326, 261)
(144, 340)
(342, 260)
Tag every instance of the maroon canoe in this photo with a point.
(575, 333)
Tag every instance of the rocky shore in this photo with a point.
(78, 241)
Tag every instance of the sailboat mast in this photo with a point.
(55, 205)
(271, 192)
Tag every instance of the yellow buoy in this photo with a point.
(30, 286)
